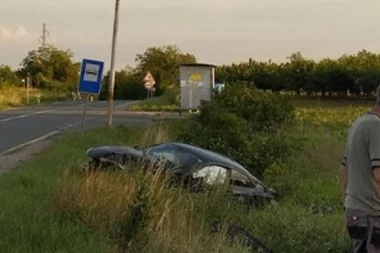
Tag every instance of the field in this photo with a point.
(11, 96)
(48, 207)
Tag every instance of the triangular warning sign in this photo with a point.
(148, 77)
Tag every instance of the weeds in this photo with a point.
(140, 213)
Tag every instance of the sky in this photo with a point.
(215, 31)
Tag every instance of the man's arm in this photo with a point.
(342, 172)
(374, 152)
(376, 173)
(342, 179)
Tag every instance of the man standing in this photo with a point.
(359, 178)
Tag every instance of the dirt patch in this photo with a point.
(12, 161)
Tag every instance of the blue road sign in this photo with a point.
(91, 76)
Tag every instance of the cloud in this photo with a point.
(13, 33)
(17, 35)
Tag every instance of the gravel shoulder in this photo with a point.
(12, 161)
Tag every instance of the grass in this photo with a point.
(11, 96)
(48, 207)
(162, 103)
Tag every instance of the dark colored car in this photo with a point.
(190, 165)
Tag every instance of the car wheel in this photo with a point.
(237, 233)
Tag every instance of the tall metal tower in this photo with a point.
(45, 34)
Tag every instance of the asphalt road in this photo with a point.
(20, 127)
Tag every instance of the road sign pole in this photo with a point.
(191, 97)
(149, 83)
(27, 89)
(84, 115)
(89, 83)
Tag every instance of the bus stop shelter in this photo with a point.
(197, 82)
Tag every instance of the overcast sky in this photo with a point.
(216, 31)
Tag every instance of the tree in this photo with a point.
(7, 76)
(50, 67)
(163, 63)
(128, 85)
(299, 70)
(368, 69)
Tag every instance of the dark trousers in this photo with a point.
(364, 231)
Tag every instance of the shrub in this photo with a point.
(244, 124)
(262, 110)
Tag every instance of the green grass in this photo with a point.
(11, 96)
(309, 217)
(157, 104)
(28, 223)
(46, 207)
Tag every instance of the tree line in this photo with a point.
(356, 74)
(52, 68)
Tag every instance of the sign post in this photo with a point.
(149, 83)
(90, 82)
(27, 88)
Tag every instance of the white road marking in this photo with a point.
(43, 137)
(52, 110)
(25, 115)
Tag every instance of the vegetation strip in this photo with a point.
(49, 207)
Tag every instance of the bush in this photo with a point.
(245, 124)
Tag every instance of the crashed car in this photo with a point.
(190, 165)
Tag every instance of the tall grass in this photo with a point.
(12, 96)
(139, 212)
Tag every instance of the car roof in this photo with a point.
(208, 156)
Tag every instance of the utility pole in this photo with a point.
(111, 82)
(45, 34)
